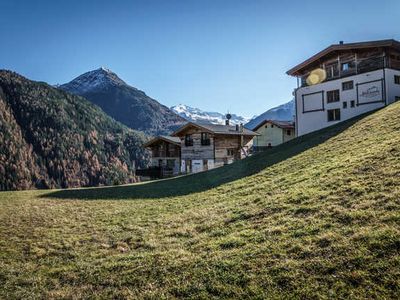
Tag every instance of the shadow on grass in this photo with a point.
(203, 181)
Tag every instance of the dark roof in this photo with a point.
(165, 138)
(340, 47)
(280, 124)
(217, 129)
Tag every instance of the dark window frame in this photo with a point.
(344, 104)
(347, 88)
(332, 96)
(230, 152)
(188, 140)
(396, 79)
(205, 139)
(353, 103)
(335, 116)
(322, 101)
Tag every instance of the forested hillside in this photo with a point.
(50, 138)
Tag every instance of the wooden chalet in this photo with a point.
(165, 155)
(207, 146)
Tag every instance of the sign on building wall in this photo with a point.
(313, 102)
(370, 92)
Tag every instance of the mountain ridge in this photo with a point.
(192, 114)
(123, 102)
(283, 112)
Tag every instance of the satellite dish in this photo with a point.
(228, 116)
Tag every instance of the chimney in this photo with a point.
(227, 122)
(241, 127)
(340, 42)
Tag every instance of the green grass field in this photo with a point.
(318, 217)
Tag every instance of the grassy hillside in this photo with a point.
(50, 138)
(316, 218)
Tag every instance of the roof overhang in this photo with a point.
(188, 125)
(158, 139)
(295, 71)
(275, 123)
(181, 130)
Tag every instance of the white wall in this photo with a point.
(312, 121)
(393, 89)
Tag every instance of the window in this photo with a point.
(333, 115)
(397, 98)
(333, 96)
(272, 125)
(188, 140)
(344, 104)
(288, 132)
(205, 139)
(230, 152)
(332, 70)
(352, 103)
(347, 85)
(170, 163)
(397, 79)
(345, 66)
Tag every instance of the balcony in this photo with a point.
(349, 68)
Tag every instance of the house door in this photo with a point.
(189, 166)
(205, 164)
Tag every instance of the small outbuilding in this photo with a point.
(272, 133)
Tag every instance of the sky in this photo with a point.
(216, 55)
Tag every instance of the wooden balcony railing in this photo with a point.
(361, 66)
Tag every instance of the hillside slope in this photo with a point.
(123, 102)
(317, 217)
(53, 139)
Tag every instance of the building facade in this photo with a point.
(344, 81)
(272, 133)
(165, 155)
(204, 147)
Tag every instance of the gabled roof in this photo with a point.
(280, 124)
(165, 138)
(341, 47)
(216, 129)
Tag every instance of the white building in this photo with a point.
(345, 80)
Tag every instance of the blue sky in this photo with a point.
(214, 55)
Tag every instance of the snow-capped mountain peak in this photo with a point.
(197, 115)
(96, 79)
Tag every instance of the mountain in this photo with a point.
(284, 112)
(50, 138)
(197, 115)
(123, 102)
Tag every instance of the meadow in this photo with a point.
(317, 217)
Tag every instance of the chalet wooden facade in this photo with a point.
(165, 155)
(205, 147)
(272, 133)
(345, 80)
